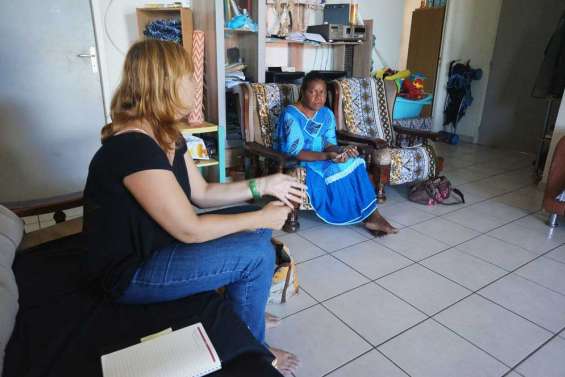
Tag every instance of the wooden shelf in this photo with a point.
(238, 31)
(274, 41)
(197, 128)
(146, 15)
(203, 163)
(160, 9)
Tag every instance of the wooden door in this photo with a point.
(425, 45)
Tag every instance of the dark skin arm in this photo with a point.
(332, 152)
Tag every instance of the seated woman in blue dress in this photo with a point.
(338, 185)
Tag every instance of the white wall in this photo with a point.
(469, 33)
(387, 16)
(116, 29)
(558, 133)
(409, 7)
(524, 30)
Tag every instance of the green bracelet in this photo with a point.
(253, 187)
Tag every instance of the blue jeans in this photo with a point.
(243, 263)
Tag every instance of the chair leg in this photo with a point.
(381, 174)
(292, 225)
(552, 220)
(381, 196)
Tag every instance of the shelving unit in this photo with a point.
(147, 15)
(358, 65)
(205, 127)
(214, 117)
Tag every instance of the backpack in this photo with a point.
(434, 191)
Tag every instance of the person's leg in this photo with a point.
(378, 225)
(242, 262)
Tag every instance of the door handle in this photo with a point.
(92, 55)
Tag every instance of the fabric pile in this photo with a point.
(164, 30)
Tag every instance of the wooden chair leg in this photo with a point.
(381, 196)
(292, 225)
(382, 175)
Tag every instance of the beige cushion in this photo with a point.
(11, 231)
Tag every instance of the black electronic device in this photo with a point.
(331, 75)
(275, 75)
(339, 33)
(340, 14)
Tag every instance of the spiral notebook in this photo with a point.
(186, 352)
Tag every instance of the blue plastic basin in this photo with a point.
(407, 108)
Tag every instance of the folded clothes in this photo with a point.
(164, 30)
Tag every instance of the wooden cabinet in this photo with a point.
(425, 45)
(148, 15)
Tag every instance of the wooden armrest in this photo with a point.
(48, 205)
(269, 153)
(375, 143)
(419, 133)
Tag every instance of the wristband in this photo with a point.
(253, 188)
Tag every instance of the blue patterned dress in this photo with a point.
(340, 193)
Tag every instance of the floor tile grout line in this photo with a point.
(475, 291)
(392, 361)
(534, 352)
(348, 362)
(414, 262)
(368, 277)
(477, 236)
(555, 260)
(418, 262)
(472, 343)
(513, 312)
(481, 288)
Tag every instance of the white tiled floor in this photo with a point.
(468, 290)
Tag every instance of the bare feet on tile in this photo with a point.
(378, 226)
(285, 362)
(271, 321)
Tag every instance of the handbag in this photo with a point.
(285, 279)
(435, 191)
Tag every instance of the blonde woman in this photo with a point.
(146, 244)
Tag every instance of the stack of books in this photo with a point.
(234, 74)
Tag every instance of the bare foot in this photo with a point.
(285, 362)
(378, 225)
(271, 321)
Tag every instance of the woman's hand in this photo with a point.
(275, 215)
(283, 187)
(344, 154)
(351, 151)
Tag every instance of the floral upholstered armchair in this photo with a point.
(261, 105)
(363, 108)
(260, 108)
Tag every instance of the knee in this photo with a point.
(264, 250)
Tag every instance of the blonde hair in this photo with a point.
(149, 89)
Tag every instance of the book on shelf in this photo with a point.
(234, 67)
(303, 37)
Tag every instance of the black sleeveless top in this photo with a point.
(120, 234)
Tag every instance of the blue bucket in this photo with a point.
(407, 108)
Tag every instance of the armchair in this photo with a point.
(363, 108)
(261, 106)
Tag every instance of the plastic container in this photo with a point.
(406, 108)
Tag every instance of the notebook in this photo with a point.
(186, 352)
